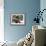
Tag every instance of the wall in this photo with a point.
(43, 6)
(26, 7)
(1, 21)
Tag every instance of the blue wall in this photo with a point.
(43, 6)
(26, 7)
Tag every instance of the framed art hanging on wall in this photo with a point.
(17, 19)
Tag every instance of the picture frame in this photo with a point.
(17, 19)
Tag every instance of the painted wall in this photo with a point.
(26, 7)
(1, 21)
(43, 6)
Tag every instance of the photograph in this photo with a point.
(17, 19)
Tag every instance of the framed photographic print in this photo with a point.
(17, 19)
